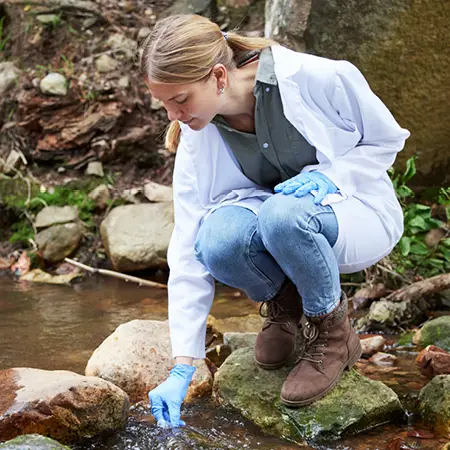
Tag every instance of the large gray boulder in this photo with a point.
(137, 236)
(435, 332)
(32, 442)
(60, 404)
(137, 357)
(403, 49)
(356, 403)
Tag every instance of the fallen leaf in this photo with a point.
(421, 434)
(22, 266)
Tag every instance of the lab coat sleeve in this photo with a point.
(190, 286)
(367, 139)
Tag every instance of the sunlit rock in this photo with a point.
(54, 84)
(372, 345)
(137, 357)
(60, 404)
(356, 403)
(54, 215)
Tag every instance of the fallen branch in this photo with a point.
(421, 289)
(80, 5)
(112, 273)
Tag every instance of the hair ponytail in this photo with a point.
(173, 136)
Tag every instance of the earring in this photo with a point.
(221, 90)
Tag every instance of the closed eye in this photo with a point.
(182, 101)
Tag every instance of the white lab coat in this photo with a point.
(357, 139)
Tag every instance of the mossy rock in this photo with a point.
(355, 404)
(32, 442)
(435, 332)
(434, 403)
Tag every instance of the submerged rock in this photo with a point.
(435, 332)
(434, 403)
(61, 404)
(137, 357)
(355, 404)
(32, 442)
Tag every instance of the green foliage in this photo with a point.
(412, 254)
(22, 232)
(3, 40)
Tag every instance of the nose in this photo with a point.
(173, 113)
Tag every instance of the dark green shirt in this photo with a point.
(277, 151)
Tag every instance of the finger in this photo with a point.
(279, 187)
(321, 193)
(166, 413)
(163, 423)
(174, 413)
(305, 189)
(157, 405)
(290, 188)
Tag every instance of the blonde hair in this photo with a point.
(183, 48)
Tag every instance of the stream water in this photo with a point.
(58, 328)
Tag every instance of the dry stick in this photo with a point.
(115, 274)
(420, 289)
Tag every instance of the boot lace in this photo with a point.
(315, 342)
(271, 311)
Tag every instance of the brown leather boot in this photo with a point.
(275, 344)
(331, 346)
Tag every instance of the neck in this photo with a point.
(239, 99)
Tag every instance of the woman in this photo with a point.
(280, 184)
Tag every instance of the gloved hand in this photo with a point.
(304, 183)
(166, 399)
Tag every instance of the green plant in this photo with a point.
(56, 20)
(22, 232)
(67, 68)
(412, 252)
(3, 40)
(444, 200)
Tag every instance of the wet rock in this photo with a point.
(155, 192)
(372, 345)
(54, 84)
(9, 75)
(95, 168)
(239, 340)
(100, 195)
(143, 33)
(383, 359)
(39, 276)
(137, 357)
(106, 63)
(434, 403)
(60, 404)
(394, 51)
(59, 241)
(32, 442)
(435, 332)
(356, 403)
(433, 361)
(286, 21)
(122, 44)
(137, 236)
(242, 324)
(55, 215)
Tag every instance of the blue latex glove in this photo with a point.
(304, 183)
(166, 399)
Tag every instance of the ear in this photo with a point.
(220, 73)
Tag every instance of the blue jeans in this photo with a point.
(289, 237)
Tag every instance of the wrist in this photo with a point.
(184, 360)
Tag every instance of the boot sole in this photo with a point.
(276, 365)
(353, 359)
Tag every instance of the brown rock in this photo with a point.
(365, 296)
(4, 264)
(60, 404)
(383, 359)
(138, 357)
(372, 345)
(433, 361)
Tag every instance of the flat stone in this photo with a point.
(53, 215)
(155, 192)
(95, 168)
(47, 19)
